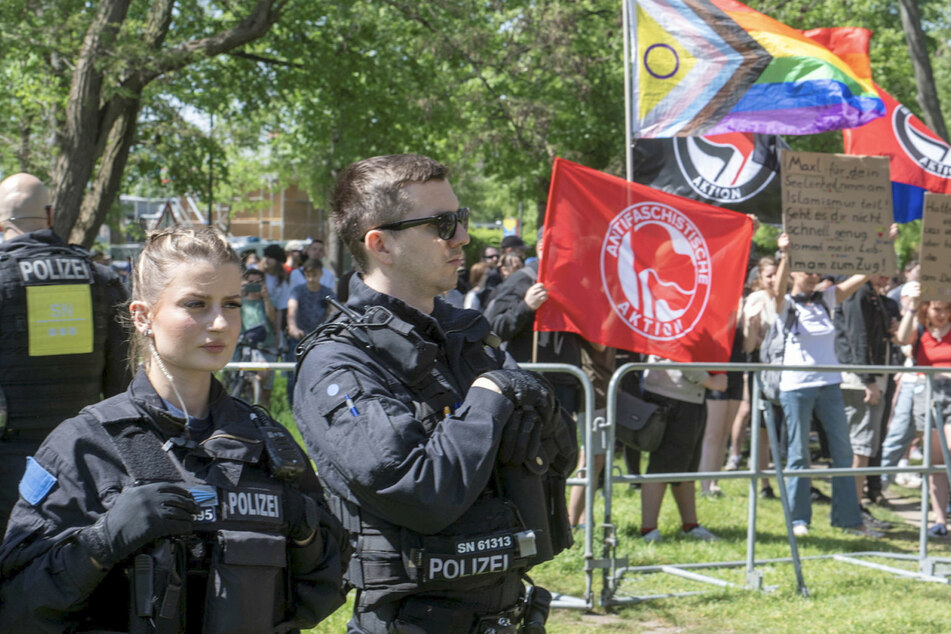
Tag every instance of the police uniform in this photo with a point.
(237, 572)
(407, 454)
(61, 345)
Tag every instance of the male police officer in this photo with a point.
(438, 461)
(61, 346)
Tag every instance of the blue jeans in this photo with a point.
(798, 406)
(901, 429)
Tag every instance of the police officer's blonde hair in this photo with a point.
(164, 250)
(370, 193)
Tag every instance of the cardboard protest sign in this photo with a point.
(837, 210)
(935, 275)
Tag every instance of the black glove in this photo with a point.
(528, 390)
(139, 516)
(521, 438)
(301, 517)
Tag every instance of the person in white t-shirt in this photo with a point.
(810, 340)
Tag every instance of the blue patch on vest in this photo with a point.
(36, 482)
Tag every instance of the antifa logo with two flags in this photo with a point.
(736, 171)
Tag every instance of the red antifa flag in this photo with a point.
(919, 159)
(639, 269)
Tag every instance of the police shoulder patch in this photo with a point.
(36, 482)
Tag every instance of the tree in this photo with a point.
(495, 89)
(921, 61)
(106, 55)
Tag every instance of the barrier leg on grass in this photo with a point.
(754, 578)
(766, 409)
(560, 600)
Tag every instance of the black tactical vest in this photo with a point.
(489, 540)
(215, 579)
(54, 316)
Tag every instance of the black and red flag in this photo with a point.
(737, 171)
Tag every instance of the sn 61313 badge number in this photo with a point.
(484, 544)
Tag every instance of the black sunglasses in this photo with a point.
(445, 222)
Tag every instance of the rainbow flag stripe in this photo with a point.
(714, 66)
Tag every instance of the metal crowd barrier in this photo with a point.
(559, 600)
(615, 567)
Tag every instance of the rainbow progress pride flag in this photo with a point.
(705, 67)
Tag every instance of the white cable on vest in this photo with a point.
(168, 376)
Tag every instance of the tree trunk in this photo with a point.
(108, 178)
(924, 78)
(74, 165)
(98, 134)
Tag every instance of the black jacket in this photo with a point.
(512, 320)
(407, 446)
(49, 583)
(861, 330)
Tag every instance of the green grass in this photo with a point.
(842, 598)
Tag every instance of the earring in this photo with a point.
(148, 332)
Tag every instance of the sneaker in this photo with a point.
(800, 530)
(819, 496)
(767, 493)
(712, 494)
(653, 536)
(938, 530)
(873, 522)
(701, 533)
(915, 454)
(864, 531)
(733, 463)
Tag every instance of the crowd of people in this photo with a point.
(442, 465)
(858, 420)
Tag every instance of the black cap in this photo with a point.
(509, 242)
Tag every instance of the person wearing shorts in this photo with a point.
(682, 393)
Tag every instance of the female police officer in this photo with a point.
(172, 507)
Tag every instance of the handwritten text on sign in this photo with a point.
(935, 275)
(837, 210)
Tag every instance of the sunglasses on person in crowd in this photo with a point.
(445, 222)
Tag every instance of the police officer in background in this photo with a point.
(439, 456)
(61, 345)
(172, 507)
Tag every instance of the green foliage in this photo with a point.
(494, 89)
(908, 241)
(479, 238)
(765, 240)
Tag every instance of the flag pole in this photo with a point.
(628, 123)
(535, 346)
